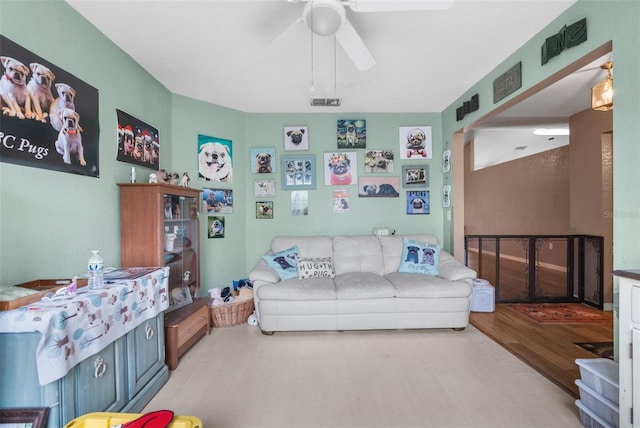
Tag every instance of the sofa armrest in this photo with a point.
(450, 268)
(262, 273)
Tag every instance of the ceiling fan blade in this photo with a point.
(287, 35)
(398, 5)
(355, 47)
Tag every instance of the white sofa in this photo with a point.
(367, 292)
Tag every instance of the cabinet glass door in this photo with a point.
(181, 248)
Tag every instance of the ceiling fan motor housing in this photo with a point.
(324, 17)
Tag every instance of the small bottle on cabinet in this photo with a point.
(96, 271)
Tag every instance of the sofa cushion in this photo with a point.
(309, 246)
(392, 249)
(284, 262)
(362, 285)
(419, 257)
(357, 253)
(315, 268)
(427, 286)
(295, 289)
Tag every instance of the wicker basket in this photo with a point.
(231, 314)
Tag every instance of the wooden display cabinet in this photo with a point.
(149, 215)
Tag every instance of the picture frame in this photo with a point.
(179, 297)
(296, 138)
(219, 201)
(351, 133)
(379, 161)
(340, 168)
(263, 160)
(264, 188)
(298, 172)
(33, 417)
(264, 210)
(418, 202)
(378, 187)
(415, 175)
(415, 142)
(215, 226)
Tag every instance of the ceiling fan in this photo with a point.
(329, 17)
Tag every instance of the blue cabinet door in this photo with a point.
(99, 382)
(145, 354)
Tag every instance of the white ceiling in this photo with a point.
(229, 53)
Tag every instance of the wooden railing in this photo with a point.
(539, 268)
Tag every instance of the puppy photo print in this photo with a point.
(214, 159)
(215, 226)
(263, 160)
(49, 116)
(341, 168)
(218, 200)
(378, 161)
(378, 187)
(138, 143)
(352, 134)
(296, 138)
(415, 142)
(418, 202)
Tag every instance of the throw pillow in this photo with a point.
(315, 268)
(419, 257)
(284, 262)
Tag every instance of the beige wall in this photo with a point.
(559, 192)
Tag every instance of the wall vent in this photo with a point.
(326, 102)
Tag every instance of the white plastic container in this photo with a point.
(603, 408)
(483, 297)
(589, 419)
(601, 375)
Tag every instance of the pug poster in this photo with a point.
(138, 143)
(415, 142)
(352, 134)
(214, 159)
(215, 227)
(263, 160)
(380, 161)
(341, 168)
(49, 117)
(378, 187)
(296, 138)
(418, 202)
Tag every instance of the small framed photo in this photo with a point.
(215, 226)
(264, 209)
(263, 160)
(296, 138)
(415, 175)
(298, 172)
(218, 200)
(32, 417)
(179, 297)
(418, 202)
(378, 187)
(380, 161)
(352, 133)
(264, 188)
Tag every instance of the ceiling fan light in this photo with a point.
(324, 17)
(602, 93)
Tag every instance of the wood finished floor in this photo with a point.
(548, 348)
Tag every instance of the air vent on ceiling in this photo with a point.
(520, 148)
(325, 102)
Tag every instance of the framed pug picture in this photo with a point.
(298, 172)
(340, 168)
(378, 161)
(415, 175)
(263, 160)
(264, 210)
(352, 133)
(418, 202)
(262, 188)
(415, 142)
(296, 138)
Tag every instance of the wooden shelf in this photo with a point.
(183, 328)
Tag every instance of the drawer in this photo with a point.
(635, 304)
(197, 321)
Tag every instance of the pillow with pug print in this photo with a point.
(419, 257)
(315, 268)
(284, 262)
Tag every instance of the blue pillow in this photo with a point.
(284, 262)
(419, 257)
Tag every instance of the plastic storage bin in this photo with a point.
(601, 375)
(107, 420)
(589, 419)
(599, 405)
(483, 297)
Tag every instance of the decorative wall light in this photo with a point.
(602, 93)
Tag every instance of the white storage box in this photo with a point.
(599, 405)
(590, 419)
(601, 375)
(483, 298)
